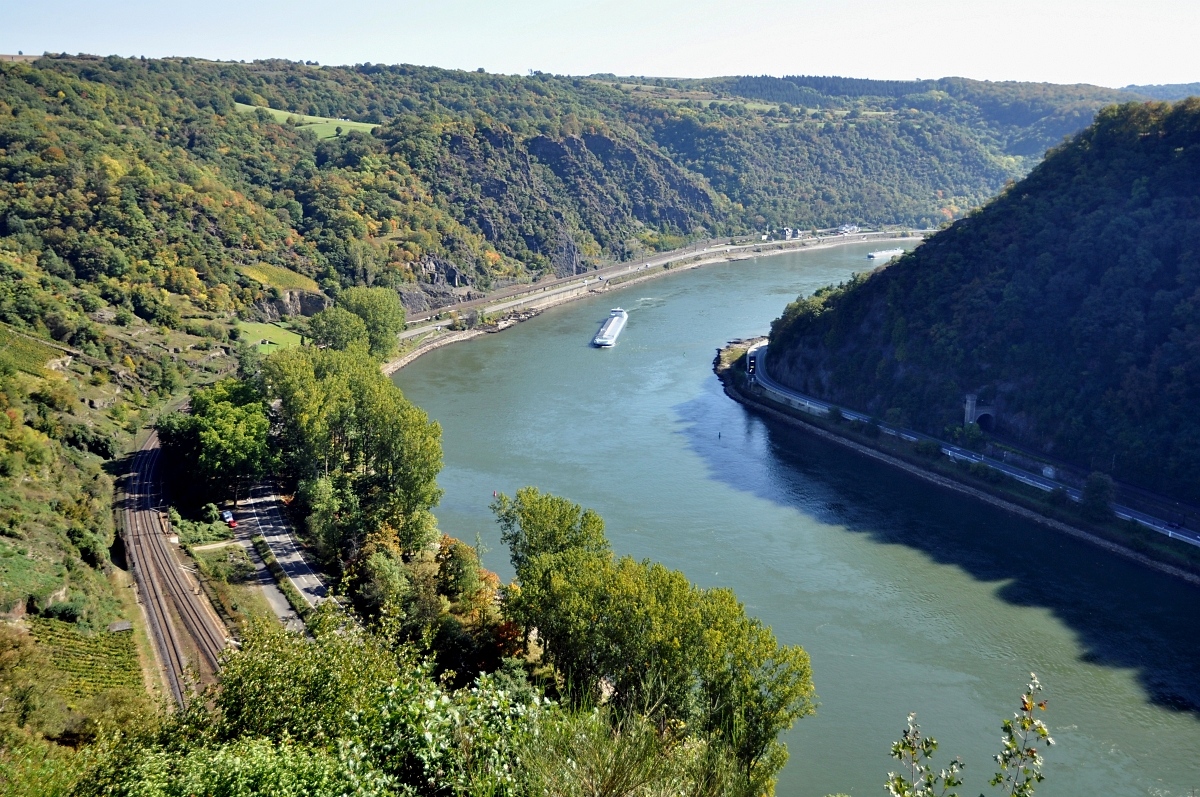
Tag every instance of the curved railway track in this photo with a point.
(169, 597)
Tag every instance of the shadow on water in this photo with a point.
(1124, 615)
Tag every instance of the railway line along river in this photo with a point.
(908, 598)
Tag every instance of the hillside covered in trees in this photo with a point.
(183, 185)
(1070, 303)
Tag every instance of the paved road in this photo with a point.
(818, 407)
(263, 511)
(420, 323)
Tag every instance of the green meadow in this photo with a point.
(275, 336)
(323, 127)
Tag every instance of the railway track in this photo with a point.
(189, 639)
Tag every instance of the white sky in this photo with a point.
(1062, 41)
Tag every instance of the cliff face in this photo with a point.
(523, 194)
(1071, 303)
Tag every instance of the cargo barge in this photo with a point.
(611, 328)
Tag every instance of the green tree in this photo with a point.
(280, 687)
(536, 523)
(756, 688)
(381, 311)
(338, 329)
(1020, 759)
(643, 633)
(382, 583)
(223, 437)
(1099, 492)
(914, 750)
(233, 444)
(346, 422)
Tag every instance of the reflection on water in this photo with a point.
(907, 597)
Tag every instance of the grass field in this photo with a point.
(92, 663)
(276, 336)
(322, 126)
(25, 355)
(23, 572)
(232, 582)
(277, 277)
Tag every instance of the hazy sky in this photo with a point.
(1062, 41)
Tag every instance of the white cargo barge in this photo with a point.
(885, 254)
(611, 328)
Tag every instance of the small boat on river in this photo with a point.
(885, 254)
(611, 328)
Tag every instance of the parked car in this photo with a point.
(227, 516)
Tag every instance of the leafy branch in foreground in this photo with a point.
(1020, 758)
(913, 750)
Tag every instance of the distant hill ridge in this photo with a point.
(156, 184)
(1071, 303)
(1167, 91)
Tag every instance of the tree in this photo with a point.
(381, 311)
(345, 422)
(223, 437)
(382, 583)
(661, 646)
(914, 750)
(279, 686)
(233, 444)
(338, 329)
(1099, 492)
(755, 687)
(536, 523)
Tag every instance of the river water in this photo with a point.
(907, 597)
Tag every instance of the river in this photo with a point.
(907, 597)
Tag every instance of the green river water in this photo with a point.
(907, 597)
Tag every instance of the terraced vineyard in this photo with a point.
(25, 354)
(277, 277)
(93, 663)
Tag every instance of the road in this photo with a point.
(187, 634)
(262, 512)
(517, 295)
(818, 407)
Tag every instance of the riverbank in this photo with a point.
(725, 366)
(511, 308)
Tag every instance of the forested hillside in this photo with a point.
(808, 150)
(138, 176)
(1070, 303)
(1167, 91)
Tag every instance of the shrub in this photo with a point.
(1099, 492)
(928, 448)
